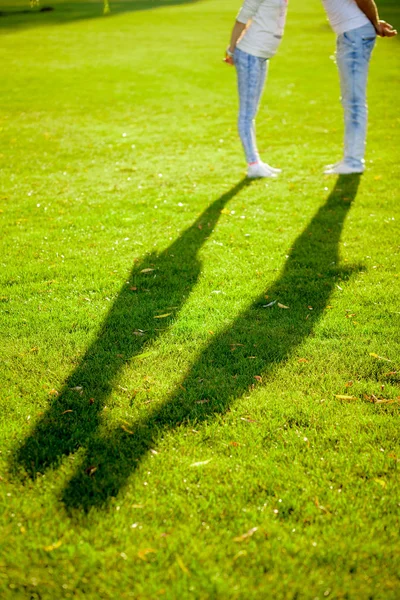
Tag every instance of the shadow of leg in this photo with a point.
(73, 418)
(266, 334)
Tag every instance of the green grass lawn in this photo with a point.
(167, 431)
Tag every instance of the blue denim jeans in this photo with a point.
(353, 53)
(251, 74)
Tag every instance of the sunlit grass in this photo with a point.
(166, 432)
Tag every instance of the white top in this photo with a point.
(344, 15)
(264, 33)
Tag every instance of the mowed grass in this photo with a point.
(167, 432)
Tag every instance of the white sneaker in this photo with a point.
(341, 168)
(333, 165)
(259, 170)
(273, 169)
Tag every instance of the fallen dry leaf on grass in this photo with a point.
(318, 505)
(385, 401)
(245, 536)
(394, 457)
(381, 482)
(374, 355)
(239, 554)
(248, 420)
(258, 377)
(67, 411)
(302, 360)
(91, 470)
(202, 401)
(143, 553)
(269, 304)
(53, 546)
(162, 316)
(376, 400)
(126, 430)
(234, 346)
(146, 270)
(282, 305)
(201, 463)
(341, 397)
(182, 565)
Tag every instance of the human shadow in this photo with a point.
(261, 338)
(158, 285)
(59, 13)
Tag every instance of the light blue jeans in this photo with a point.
(353, 53)
(251, 74)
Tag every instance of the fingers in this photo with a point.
(389, 32)
(385, 29)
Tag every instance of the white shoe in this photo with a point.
(341, 168)
(273, 169)
(333, 165)
(259, 170)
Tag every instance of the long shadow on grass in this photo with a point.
(12, 17)
(159, 285)
(261, 338)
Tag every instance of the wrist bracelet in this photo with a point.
(229, 53)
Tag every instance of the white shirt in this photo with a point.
(263, 36)
(344, 15)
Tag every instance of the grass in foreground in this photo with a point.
(167, 433)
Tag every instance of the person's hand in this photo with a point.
(385, 29)
(229, 56)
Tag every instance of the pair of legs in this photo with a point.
(251, 75)
(353, 53)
